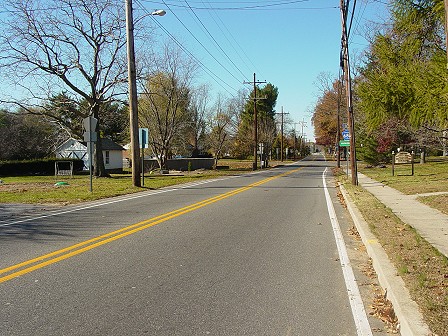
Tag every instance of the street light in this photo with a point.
(133, 112)
(159, 12)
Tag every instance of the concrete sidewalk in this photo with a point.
(430, 223)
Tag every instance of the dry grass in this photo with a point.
(439, 202)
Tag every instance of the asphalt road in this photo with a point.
(248, 255)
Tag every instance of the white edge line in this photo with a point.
(356, 304)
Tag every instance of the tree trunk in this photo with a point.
(98, 160)
(216, 160)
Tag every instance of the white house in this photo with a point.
(75, 149)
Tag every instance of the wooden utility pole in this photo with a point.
(255, 163)
(338, 134)
(348, 87)
(302, 142)
(281, 131)
(133, 112)
(295, 140)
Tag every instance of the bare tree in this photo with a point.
(197, 114)
(223, 125)
(165, 100)
(77, 46)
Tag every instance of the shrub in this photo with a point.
(35, 167)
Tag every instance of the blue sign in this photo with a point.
(346, 135)
(143, 137)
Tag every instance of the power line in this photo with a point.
(12, 11)
(233, 38)
(351, 19)
(197, 40)
(255, 7)
(216, 42)
(215, 77)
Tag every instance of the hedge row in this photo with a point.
(36, 167)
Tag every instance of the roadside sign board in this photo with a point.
(143, 134)
(346, 135)
(90, 137)
(344, 143)
(90, 126)
(403, 157)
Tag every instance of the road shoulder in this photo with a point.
(410, 319)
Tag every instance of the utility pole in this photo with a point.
(281, 131)
(348, 85)
(302, 142)
(295, 140)
(133, 112)
(338, 134)
(255, 163)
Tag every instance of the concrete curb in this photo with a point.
(407, 311)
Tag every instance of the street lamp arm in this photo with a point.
(157, 12)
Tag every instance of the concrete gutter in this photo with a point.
(407, 311)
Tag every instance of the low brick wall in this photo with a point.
(182, 164)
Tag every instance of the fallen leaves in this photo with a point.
(382, 309)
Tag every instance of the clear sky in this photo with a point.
(286, 43)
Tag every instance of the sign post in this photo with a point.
(90, 136)
(345, 143)
(143, 135)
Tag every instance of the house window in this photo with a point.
(107, 157)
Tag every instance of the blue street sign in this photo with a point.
(143, 137)
(346, 135)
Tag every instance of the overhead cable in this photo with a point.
(216, 42)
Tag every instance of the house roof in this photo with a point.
(107, 144)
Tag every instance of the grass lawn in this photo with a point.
(431, 177)
(42, 189)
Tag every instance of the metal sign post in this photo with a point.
(90, 136)
(143, 134)
(345, 143)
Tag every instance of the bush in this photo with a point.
(35, 167)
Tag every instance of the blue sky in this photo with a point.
(288, 45)
(285, 42)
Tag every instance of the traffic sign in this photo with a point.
(90, 126)
(346, 135)
(344, 143)
(90, 137)
(143, 135)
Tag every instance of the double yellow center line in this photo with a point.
(73, 250)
